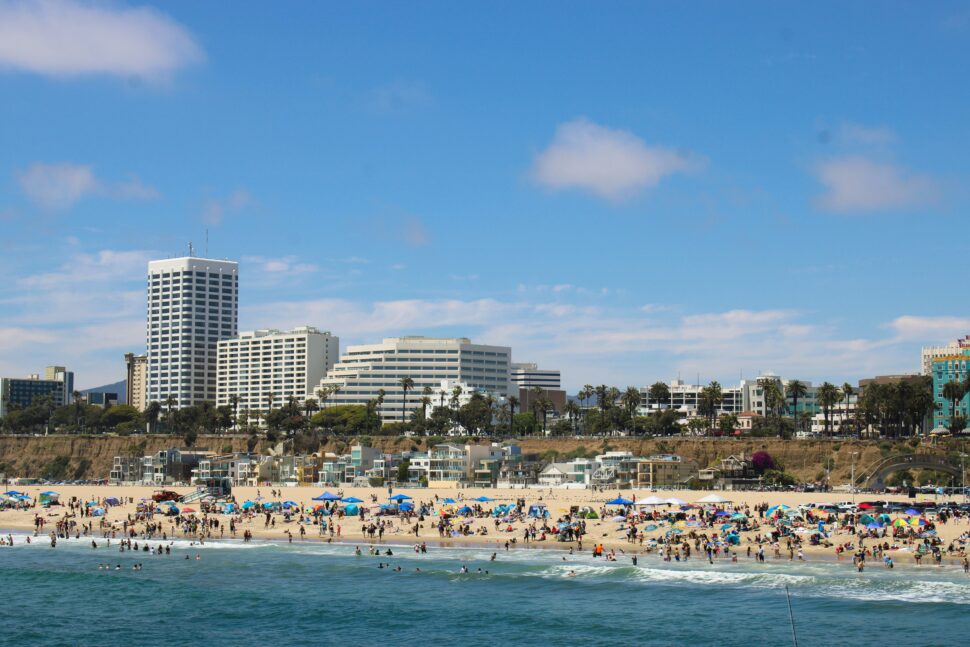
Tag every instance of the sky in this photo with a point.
(626, 191)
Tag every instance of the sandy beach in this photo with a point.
(483, 530)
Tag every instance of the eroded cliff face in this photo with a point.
(89, 457)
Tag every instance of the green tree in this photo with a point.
(631, 402)
(659, 392)
(406, 385)
(797, 390)
(847, 393)
(827, 395)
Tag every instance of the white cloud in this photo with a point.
(622, 346)
(932, 330)
(216, 209)
(612, 164)
(61, 185)
(860, 184)
(285, 265)
(69, 38)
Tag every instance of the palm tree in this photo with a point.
(847, 392)
(322, 394)
(426, 394)
(311, 406)
(152, 410)
(170, 403)
(270, 398)
(234, 403)
(572, 410)
(796, 389)
(406, 385)
(513, 403)
(713, 396)
(659, 392)
(543, 404)
(827, 396)
(631, 400)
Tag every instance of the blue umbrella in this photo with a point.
(247, 505)
(619, 501)
(911, 511)
(352, 499)
(326, 496)
(448, 500)
(465, 510)
(722, 513)
(290, 504)
(483, 499)
(873, 525)
(400, 497)
(13, 493)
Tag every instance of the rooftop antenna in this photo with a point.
(207, 242)
(191, 249)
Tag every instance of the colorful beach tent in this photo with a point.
(714, 498)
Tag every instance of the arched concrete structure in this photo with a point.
(875, 477)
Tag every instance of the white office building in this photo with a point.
(193, 303)
(684, 398)
(528, 376)
(255, 364)
(931, 353)
(363, 371)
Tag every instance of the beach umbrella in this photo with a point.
(917, 522)
(726, 526)
(400, 497)
(352, 499)
(652, 500)
(900, 523)
(739, 516)
(290, 504)
(247, 505)
(465, 510)
(406, 506)
(776, 508)
(650, 528)
(187, 510)
(873, 525)
(50, 493)
(911, 511)
(483, 499)
(866, 519)
(619, 501)
(675, 531)
(675, 501)
(13, 493)
(448, 500)
(111, 500)
(327, 496)
(722, 513)
(883, 518)
(618, 518)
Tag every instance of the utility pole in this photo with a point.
(852, 485)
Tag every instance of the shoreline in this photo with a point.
(814, 558)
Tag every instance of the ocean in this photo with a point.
(311, 594)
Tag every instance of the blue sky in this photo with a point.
(628, 191)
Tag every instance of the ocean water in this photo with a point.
(311, 594)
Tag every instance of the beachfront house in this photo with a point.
(125, 469)
(450, 464)
(663, 471)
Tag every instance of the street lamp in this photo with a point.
(852, 485)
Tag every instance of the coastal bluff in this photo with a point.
(90, 457)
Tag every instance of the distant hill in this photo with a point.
(117, 387)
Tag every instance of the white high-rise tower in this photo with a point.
(192, 304)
